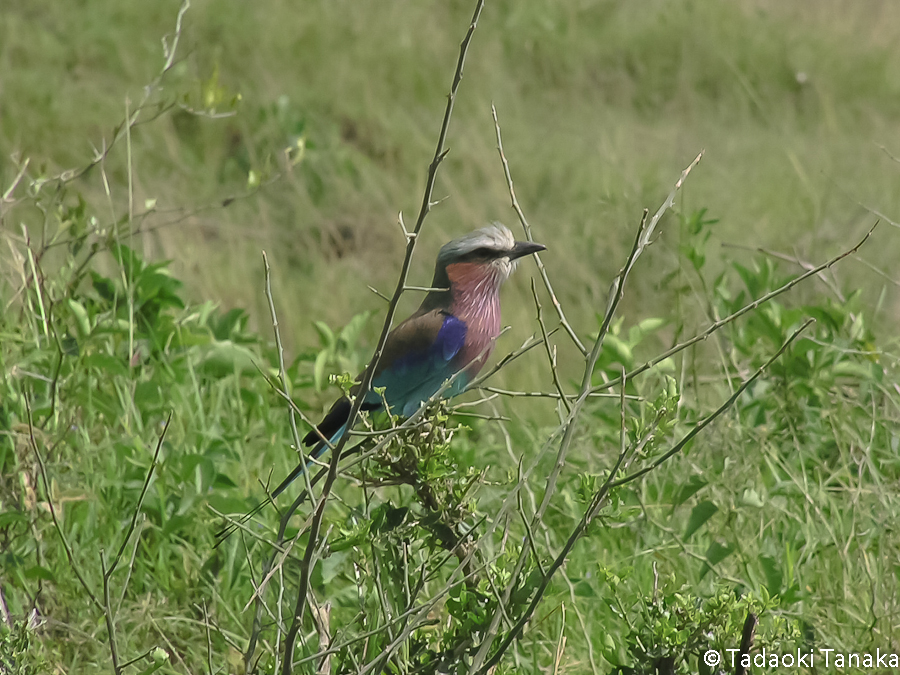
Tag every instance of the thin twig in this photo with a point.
(417, 614)
(712, 416)
(366, 381)
(529, 533)
(56, 524)
(732, 317)
(108, 617)
(137, 509)
(600, 496)
(294, 411)
(530, 344)
(551, 394)
(515, 205)
(209, 668)
(561, 641)
(108, 614)
(642, 241)
(131, 120)
(746, 642)
(15, 181)
(282, 373)
(551, 353)
(830, 284)
(567, 428)
(145, 655)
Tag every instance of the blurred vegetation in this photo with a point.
(132, 290)
(599, 103)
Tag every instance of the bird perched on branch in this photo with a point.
(453, 331)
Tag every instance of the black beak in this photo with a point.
(523, 248)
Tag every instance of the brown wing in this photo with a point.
(414, 335)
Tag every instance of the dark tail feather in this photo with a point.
(332, 427)
(232, 527)
(317, 452)
(332, 424)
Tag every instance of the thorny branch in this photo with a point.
(366, 383)
(600, 496)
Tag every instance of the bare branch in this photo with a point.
(515, 205)
(140, 502)
(600, 496)
(56, 524)
(366, 382)
(743, 310)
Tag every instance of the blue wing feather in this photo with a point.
(410, 379)
(415, 377)
(451, 337)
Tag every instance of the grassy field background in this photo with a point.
(602, 105)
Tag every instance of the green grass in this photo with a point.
(601, 104)
(785, 503)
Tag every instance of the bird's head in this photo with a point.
(492, 247)
(473, 268)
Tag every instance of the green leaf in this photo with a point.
(148, 396)
(160, 658)
(79, 313)
(693, 486)
(583, 589)
(699, 515)
(636, 334)
(326, 335)
(622, 351)
(351, 332)
(10, 517)
(774, 576)
(105, 288)
(178, 523)
(38, 572)
(319, 370)
(106, 363)
(225, 325)
(751, 498)
(226, 358)
(850, 369)
(129, 260)
(715, 554)
(524, 592)
(393, 518)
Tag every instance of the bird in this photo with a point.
(451, 333)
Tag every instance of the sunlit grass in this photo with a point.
(601, 104)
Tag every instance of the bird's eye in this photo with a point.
(482, 252)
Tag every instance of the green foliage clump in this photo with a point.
(675, 629)
(20, 650)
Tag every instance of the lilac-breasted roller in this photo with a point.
(453, 330)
